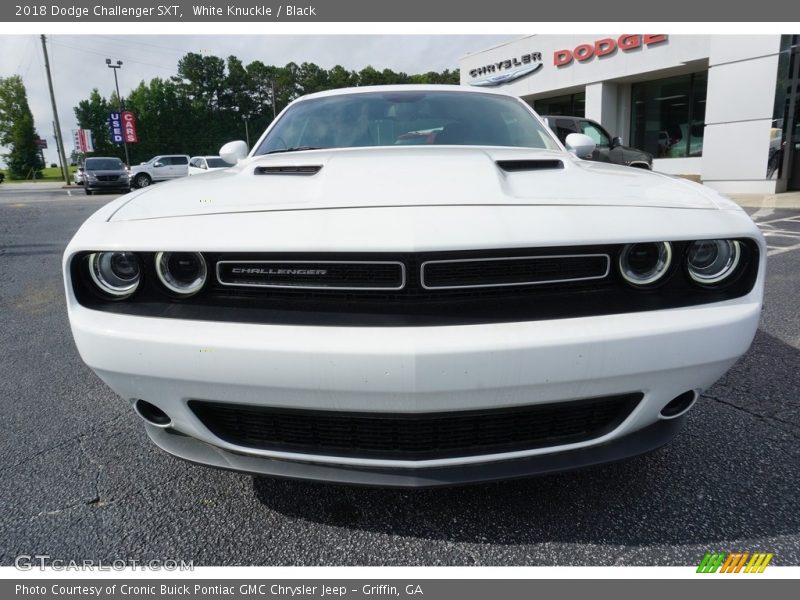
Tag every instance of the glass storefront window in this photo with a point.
(569, 105)
(786, 113)
(668, 115)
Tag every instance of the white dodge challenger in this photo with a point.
(414, 286)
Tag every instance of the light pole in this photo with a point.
(246, 131)
(119, 99)
(274, 109)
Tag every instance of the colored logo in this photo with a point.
(737, 562)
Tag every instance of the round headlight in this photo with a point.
(645, 263)
(115, 273)
(712, 261)
(183, 273)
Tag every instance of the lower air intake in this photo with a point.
(418, 436)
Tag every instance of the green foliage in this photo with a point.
(209, 101)
(93, 114)
(17, 131)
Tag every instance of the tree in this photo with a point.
(212, 100)
(17, 130)
(93, 114)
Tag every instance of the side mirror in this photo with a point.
(616, 142)
(233, 152)
(158, 163)
(581, 145)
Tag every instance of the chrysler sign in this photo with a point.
(505, 71)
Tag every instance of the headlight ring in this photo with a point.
(646, 263)
(710, 262)
(116, 274)
(182, 273)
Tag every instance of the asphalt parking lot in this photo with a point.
(81, 480)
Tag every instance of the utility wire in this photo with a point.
(124, 41)
(133, 60)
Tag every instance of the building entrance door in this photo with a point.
(793, 148)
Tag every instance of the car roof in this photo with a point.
(404, 88)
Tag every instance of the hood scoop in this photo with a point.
(288, 170)
(515, 165)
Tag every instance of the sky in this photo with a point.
(78, 64)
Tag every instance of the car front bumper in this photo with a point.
(661, 354)
(107, 185)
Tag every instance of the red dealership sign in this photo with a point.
(129, 127)
(604, 47)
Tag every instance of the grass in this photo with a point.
(48, 174)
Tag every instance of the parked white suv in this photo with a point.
(160, 168)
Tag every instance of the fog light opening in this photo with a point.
(152, 414)
(679, 405)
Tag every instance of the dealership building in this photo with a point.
(723, 109)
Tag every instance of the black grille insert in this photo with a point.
(516, 270)
(418, 436)
(312, 274)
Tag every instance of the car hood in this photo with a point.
(412, 176)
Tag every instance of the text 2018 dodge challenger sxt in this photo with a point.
(414, 286)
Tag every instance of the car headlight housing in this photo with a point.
(645, 263)
(710, 262)
(183, 273)
(115, 274)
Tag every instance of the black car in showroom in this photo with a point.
(607, 148)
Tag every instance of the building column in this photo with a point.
(602, 105)
(742, 77)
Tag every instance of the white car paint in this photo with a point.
(403, 199)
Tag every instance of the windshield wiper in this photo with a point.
(295, 149)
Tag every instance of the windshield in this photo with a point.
(407, 118)
(217, 163)
(104, 164)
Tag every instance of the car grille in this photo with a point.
(414, 289)
(107, 177)
(510, 271)
(418, 436)
(343, 275)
